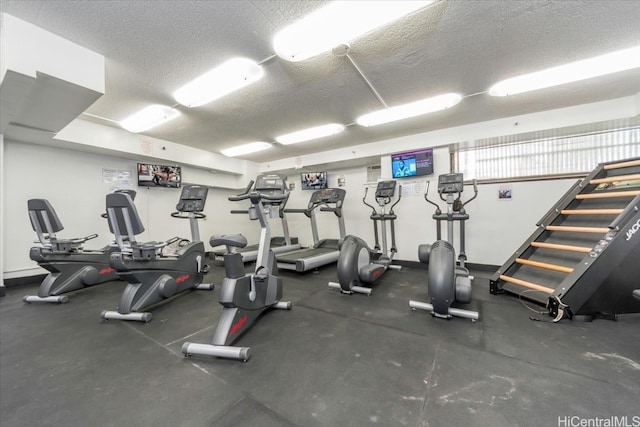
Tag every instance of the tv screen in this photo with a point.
(313, 180)
(412, 163)
(150, 175)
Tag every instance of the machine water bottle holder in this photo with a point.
(252, 213)
(144, 252)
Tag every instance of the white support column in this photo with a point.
(2, 169)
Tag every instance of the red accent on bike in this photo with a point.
(105, 271)
(239, 324)
(182, 278)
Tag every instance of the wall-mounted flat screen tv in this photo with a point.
(412, 163)
(152, 175)
(313, 180)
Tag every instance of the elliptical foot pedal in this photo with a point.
(205, 286)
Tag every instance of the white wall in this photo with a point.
(2, 193)
(494, 231)
(72, 182)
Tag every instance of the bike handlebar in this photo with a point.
(256, 195)
(197, 215)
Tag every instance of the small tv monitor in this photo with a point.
(152, 175)
(412, 163)
(313, 180)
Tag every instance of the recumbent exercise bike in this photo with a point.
(153, 275)
(71, 267)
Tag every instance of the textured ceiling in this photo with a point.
(154, 47)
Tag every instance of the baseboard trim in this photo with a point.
(29, 280)
(485, 268)
(25, 280)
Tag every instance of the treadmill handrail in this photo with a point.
(336, 211)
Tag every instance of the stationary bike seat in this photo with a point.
(231, 240)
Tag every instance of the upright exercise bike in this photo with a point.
(244, 297)
(448, 283)
(154, 275)
(71, 267)
(358, 264)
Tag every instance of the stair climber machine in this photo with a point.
(244, 297)
(448, 283)
(358, 264)
(70, 266)
(152, 274)
(267, 184)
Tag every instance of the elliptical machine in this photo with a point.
(244, 297)
(448, 283)
(154, 276)
(358, 264)
(70, 266)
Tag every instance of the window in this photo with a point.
(549, 157)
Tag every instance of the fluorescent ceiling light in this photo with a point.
(222, 80)
(149, 117)
(311, 133)
(621, 60)
(339, 22)
(417, 108)
(251, 147)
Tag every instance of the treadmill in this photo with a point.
(324, 251)
(273, 185)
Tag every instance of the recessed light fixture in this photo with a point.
(249, 148)
(614, 62)
(339, 22)
(228, 77)
(412, 109)
(311, 133)
(149, 117)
